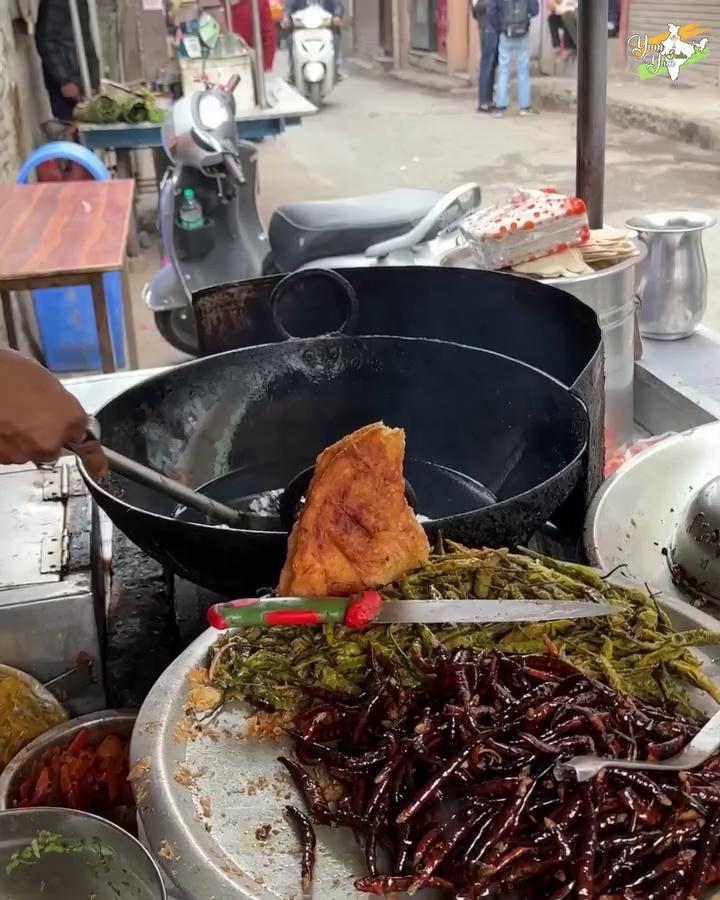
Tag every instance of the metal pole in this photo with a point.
(80, 48)
(228, 17)
(592, 106)
(259, 60)
(95, 32)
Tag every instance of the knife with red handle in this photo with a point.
(355, 611)
(368, 607)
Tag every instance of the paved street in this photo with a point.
(377, 133)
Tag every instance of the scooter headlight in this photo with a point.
(313, 72)
(212, 111)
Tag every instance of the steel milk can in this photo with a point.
(673, 277)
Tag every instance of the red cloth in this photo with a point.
(243, 25)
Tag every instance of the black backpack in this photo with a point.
(515, 19)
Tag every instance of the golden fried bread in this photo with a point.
(356, 530)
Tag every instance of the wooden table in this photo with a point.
(66, 234)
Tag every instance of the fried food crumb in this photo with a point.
(198, 677)
(262, 832)
(138, 778)
(166, 850)
(265, 726)
(203, 698)
(206, 807)
(185, 775)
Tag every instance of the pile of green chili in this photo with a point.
(637, 652)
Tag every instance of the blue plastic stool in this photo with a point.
(65, 316)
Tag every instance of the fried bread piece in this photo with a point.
(356, 530)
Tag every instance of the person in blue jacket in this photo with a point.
(511, 20)
(336, 8)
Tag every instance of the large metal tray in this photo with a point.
(204, 835)
(633, 516)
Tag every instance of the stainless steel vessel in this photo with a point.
(122, 868)
(98, 725)
(673, 287)
(610, 292)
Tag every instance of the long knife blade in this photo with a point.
(489, 611)
(362, 609)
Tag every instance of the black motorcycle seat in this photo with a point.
(302, 232)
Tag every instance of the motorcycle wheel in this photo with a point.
(177, 326)
(316, 94)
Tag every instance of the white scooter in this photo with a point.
(313, 53)
(401, 228)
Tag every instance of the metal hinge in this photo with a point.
(62, 482)
(54, 554)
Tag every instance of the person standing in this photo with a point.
(55, 42)
(242, 23)
(567, 9)
(488, 56)
(563, 47)
(511, 18)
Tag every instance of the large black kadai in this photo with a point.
(498, 437)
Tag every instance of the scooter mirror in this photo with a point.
(206, 141)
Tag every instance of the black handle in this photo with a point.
(297, 278)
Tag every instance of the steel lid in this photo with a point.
(637, 513)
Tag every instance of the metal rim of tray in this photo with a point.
(630, 513)
(197, 864)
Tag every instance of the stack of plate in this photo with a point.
(607, 246)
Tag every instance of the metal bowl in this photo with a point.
(125, 870)
(99, 725)
(695, 549)
(40, 692)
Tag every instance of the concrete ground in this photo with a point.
(377, 133)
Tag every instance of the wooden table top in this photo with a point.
(61, 228)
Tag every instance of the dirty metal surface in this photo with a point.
(203, 831)
(201, 801)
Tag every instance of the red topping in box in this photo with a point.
(532, 224)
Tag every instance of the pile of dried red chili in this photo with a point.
(452, 785)
(84, 775)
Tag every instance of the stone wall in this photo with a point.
(23, 101)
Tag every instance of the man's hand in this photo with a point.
(70, 91)
(38, 417)
(337, 21)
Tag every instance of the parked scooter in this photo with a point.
(313, 57)
(214, 236)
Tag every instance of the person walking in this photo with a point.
(55, 44)
(511, 18)
(488, 56)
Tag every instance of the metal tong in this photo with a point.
(213, 510)
(703, 745)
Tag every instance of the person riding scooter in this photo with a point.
(336, 8)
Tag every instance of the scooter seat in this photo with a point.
(302, 232)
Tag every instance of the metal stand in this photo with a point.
(80, 48)
(592, 106)
(259, 59)
(96, 37)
